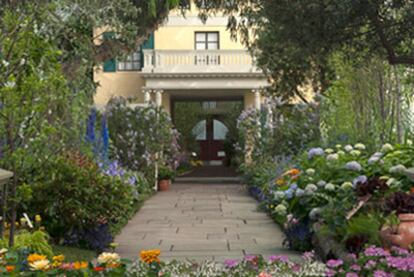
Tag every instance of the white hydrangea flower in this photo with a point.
(338, 146)
(310, 189)
(310, 171)
(347, 185)
(397, 169)
(355, 153)
(278, 195)
(314, 213)
(359, 146)
(329, 150)
(332, 157)
(330, 187)
(340, 152)
(387, 148)
(348, 148)
(281, 209)
(321, 183)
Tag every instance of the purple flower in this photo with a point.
(370, 264)
(250, 258)
(355, 267)
(351, 274)
(315, 152)
(231, 263)
(401, 263)
(359, 180)
(279, 258)
(334, 263)
(380, 273)
(309, 255)
(373, 251)
(400, 251)
(353, 165)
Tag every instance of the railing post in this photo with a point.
(4, 178)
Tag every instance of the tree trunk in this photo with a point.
(400, 130)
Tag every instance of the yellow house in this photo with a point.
(185, 59)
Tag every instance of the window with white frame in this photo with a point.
(132, 62)
(207, 41)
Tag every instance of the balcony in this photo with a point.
(199, 62)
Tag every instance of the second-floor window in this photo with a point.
(132, 62)
(207, 41)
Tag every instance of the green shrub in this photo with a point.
(36, 242)
(70, 196)
(165, 173)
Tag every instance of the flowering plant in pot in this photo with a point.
(165, 175)
(402, 204)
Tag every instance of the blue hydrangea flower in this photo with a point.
(354, 166)
(315, 152)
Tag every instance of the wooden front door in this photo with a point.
(210, 134)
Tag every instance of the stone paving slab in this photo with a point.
(202, 222)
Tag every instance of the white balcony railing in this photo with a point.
(198, 61)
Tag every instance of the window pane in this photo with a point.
(212, 37)
(220, 130)
(213, 45)
(200, 130)
(121, 66)
(200, 37)
(200, 46)
(136, 56)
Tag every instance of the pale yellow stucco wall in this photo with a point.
(183, 38)
(126, 84)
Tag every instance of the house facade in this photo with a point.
(185, 59)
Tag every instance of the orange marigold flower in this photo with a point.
(412, 190)
(292, 172)
(80, 265)
(10, 268)
(35, 257)
(150, 256)
(113, 265)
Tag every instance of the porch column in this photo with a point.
(147, 96)
(257, 99)
(158, 97)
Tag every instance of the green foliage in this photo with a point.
(140, 136)
(165, 173)
(367, 225)
(365, 97)
(35, 242)
(69, 196)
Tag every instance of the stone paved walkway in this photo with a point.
(200, 222)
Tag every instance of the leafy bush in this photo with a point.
(140, 136)
(71, 197)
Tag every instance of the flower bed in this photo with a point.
(372, 262)
(344, 193)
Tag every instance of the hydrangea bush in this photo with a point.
(325, 186)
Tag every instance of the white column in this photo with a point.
(158, 97)
(257, 99)
(147, 96)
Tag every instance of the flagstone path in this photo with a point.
(202, 222)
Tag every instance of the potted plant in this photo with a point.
(165, 175)
(402, 234)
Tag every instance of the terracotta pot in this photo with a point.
(404, 236)
(163, 185)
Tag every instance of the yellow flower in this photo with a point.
(80, 265)
(280, 182)
(58, 260)
(38, 218)
(40, 265)
(114, 245)
(109, 258)
(35, 257)
(150, 256)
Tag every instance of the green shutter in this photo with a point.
(149, 43)
(109, 65)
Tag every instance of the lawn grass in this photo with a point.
(73, 254)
